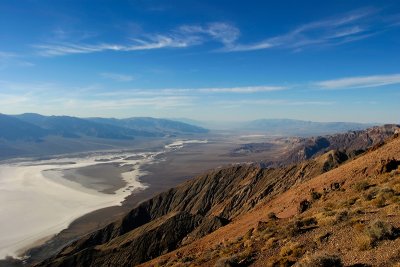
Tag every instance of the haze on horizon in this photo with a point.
(204, 60)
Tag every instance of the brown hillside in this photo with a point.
(195, 209)
(353, 218)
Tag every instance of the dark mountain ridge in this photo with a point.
(150, 124)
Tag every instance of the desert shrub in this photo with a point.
(241, 259)
(349, 202)
(374, 232)
(288, 255)
(330, 213)
(379, 230)
(323, 237)
(272, 216)
(271, 243)
(342, 216)
(315, 195)
(362, 186)
(299, 226)
(379, 201)
(370, 194)
(249, 234)
(321, 260)
(227, 261)
(329, 206)
(162, 262)
(304, 205)
(363, 242)
(187, 259)
(291, 249)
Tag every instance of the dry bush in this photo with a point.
(321, 260)
(379, 230)
(240, 259)
(291, 249)
(362, 186)
(271, 243)
(322, 238)
(288, 255)
(299, 226)
(315, 195)
(342, 216)
(363, 242)
(227, 261)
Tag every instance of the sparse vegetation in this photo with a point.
(315, 195)
(362, 186)
(321, 260)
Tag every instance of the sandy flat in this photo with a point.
(37, 201)
(106, 177)
(35, 204)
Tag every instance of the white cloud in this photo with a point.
(220, 31)
(117, 77)
(184, 36)
(342, 29)
(153, 42)
(349, 27)
(359, 82)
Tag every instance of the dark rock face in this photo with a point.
(388, 165)
(348, 144)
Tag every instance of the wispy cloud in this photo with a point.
(153, 42)
(12, 59)
(194, 91)
(117, 77)
(183, 36)
(349, 27)
(359, 82)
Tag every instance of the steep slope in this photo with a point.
(200, 207)
(349, 216)
(197, 208)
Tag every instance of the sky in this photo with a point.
(209, 60)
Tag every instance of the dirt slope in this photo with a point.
(353, 218)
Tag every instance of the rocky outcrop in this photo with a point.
(350, 144)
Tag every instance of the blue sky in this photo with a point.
(205, 60)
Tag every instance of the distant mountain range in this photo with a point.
(298, 127)
(283, 127)
(33, 127)
(33, 134)
(36, 135)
